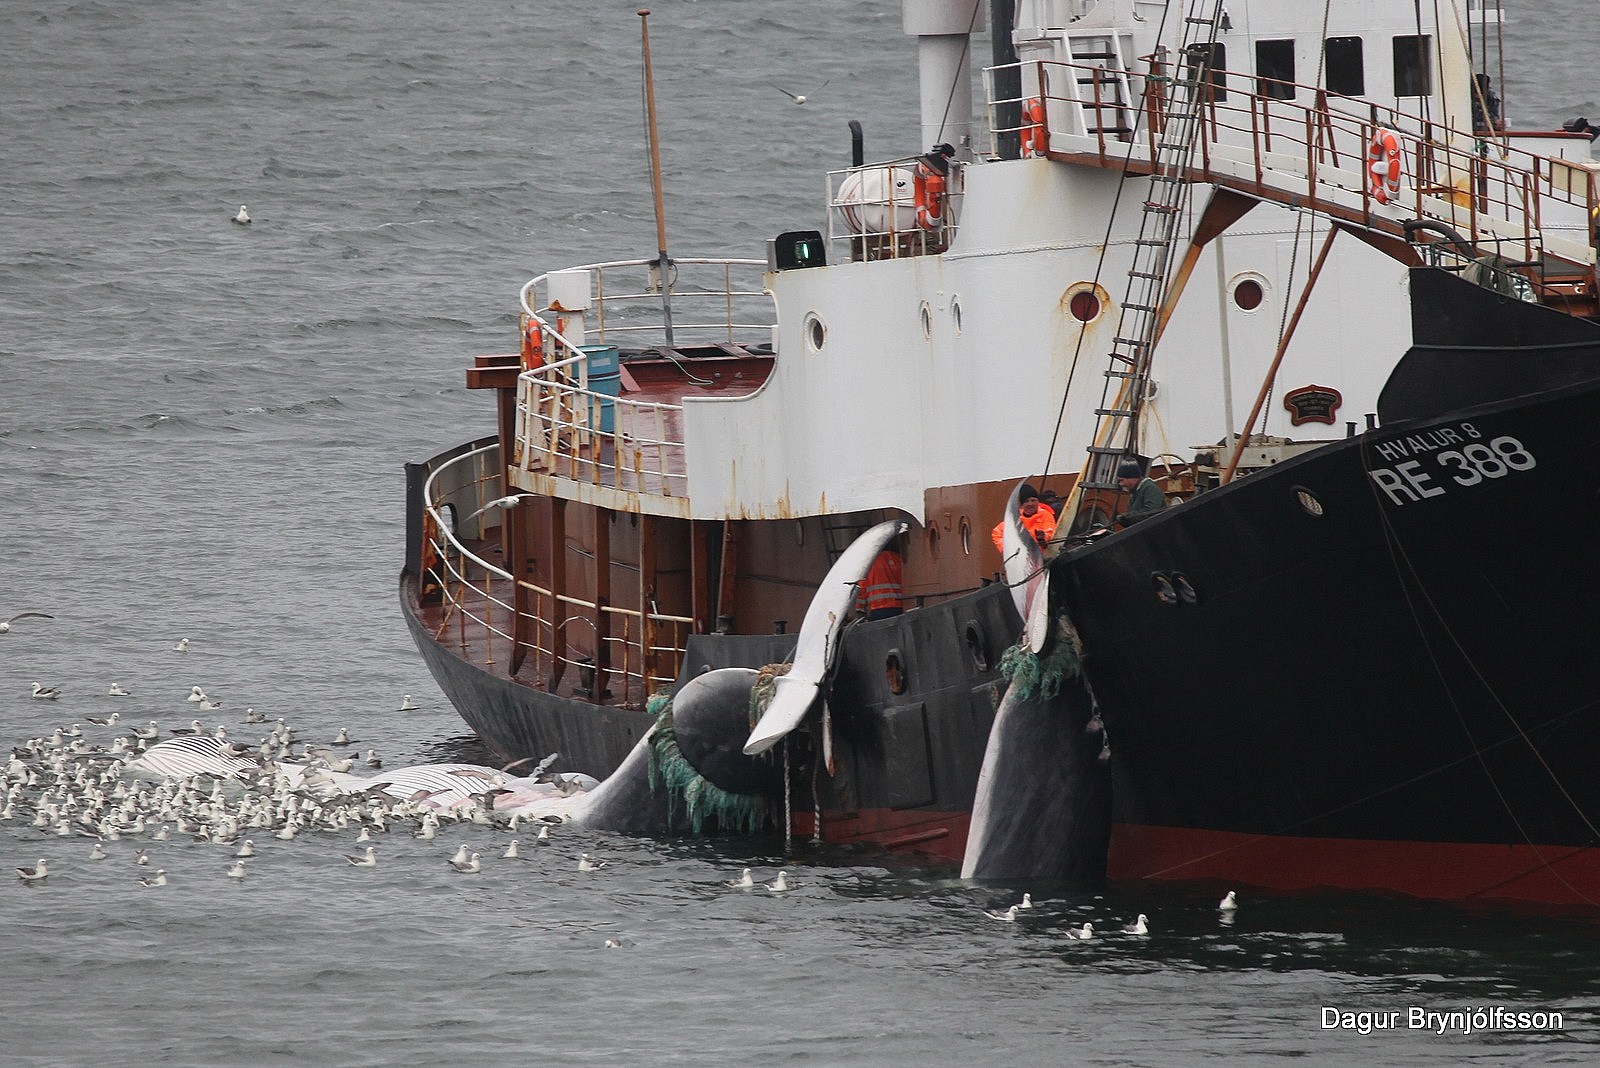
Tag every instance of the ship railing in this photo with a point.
(614, 653)
(1304, 146)
(572, 419)
(884, 211)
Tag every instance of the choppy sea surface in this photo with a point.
(202, 428)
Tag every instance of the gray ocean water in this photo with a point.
(202, 428)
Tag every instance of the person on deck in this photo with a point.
(880, 589)
(1038, 518)
(1146, 497)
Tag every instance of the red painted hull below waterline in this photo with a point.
(1454, 871)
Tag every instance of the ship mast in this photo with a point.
(663, 263)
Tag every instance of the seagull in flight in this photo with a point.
(5, 625)
(798, 98)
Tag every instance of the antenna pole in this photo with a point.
(663, 264)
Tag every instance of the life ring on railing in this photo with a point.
(927, 192)
(1383, 165)
(1033, 131)
(532, 345)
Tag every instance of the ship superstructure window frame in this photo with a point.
(1275, 68)
(1344, 66)
(1413, 65)
(1216, 70)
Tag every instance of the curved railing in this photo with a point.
(568, 427)
(519, 627)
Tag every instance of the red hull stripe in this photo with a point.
(1550, 875)
(935, 834)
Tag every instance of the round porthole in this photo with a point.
(1166, 592)
(1249, 291)
(1085, 306)
(894, 672)
(816, 333)
(1308, 502)
(977, 650)
(925, 316)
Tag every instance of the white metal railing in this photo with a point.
(566, 426)
(627, 651)
(884, 211)
(1312, 150)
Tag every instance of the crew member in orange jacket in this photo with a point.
(1039, 519)
(880, 590)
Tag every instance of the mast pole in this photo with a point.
(663, 264)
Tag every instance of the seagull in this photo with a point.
(743, 882)
(1008, 916)
(163, 834)
(196, 694)
(252, 716)
(34, 874)
(408, 705)
(342, 738)
(159, 880)
(1139, 926)
(97, 853)
(1027, 902)
(208, 705)
(236, 871)
(248, 849)
(612, 943)
(5, 625)
(45, 693)
(364, 837)
(182, 646)
(588, 863)
(780, 884)
(140, 858)
(460, 855)
(1228, 903)
(543, 836)
(373, 760)
(117, 691)
(511, 851)
(368, 861)
(1082, 934)
(111, 721)
(193, 728)
(798, 98)
(243, 218)
(467, 867)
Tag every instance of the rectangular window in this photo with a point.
(1413, 69)
(1216, 65)
(1275, 69)
(1345, 72)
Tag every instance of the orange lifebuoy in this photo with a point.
(1383, 165)
(927, 191)
(1033, 131)
(532, 345)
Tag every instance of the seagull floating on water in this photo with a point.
(588, 863)
(1229, 902)
(34, 874)
(196, 694)
(612, 943)
(798, 98)
(182, 647)
(743, 882)
(243, 218)
(5, 625)
(159, 880)
(373, 761)
(543, 837)
(1026, 902)
(141, 858)
(117, 691)
(408, 705)
(45, 693)
(248, 849)
(1139, 926)
(467, 867)
(1083, 933)
(342, 738)
(97, 853)
(368, 861)
(780, 884)
(1008, 916)
(236, 870)
(110, 721)
(511, 851)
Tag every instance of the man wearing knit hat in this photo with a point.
(1038, 518)
(1146, 500)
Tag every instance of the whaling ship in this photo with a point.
(1290, 261)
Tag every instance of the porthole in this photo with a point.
(1085, 306)
(1185, 588)
(925, 316)
(933, 542)
(1166, 592)
(977, 649)
(816, 333)
(966, 536)
(955, 316)
(1249, 291)
(1308, 501)
(799, 532)
(894, 672)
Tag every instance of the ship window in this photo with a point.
(955, 316)
(816, 333)
(1248, 294)
(977, 651)
(1166, 593)
(1217, 65)
(894, 672)
(926, 316)
(1308, 502)
(1412, 73)
(966, 536)
(1085, 306)
(1275, 69)
(1346, 73)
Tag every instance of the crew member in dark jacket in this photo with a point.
(1146, 500)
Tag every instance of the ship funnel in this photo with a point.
(943, 29)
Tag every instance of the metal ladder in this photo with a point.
(1128, 372)
(1105, 100)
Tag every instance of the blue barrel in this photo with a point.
(605, 380)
